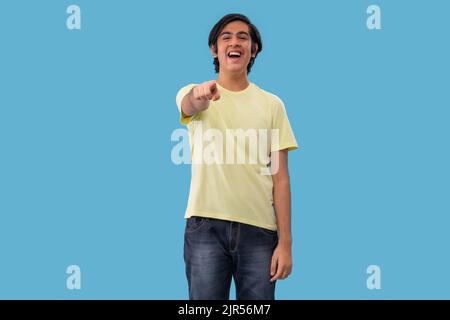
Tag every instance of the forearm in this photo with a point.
(282, 204)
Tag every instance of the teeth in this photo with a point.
(234, 53)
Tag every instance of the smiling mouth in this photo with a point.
(234, 55)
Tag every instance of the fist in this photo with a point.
(206, 91)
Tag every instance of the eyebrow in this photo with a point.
(238, 33)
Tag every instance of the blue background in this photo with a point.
(86, 118)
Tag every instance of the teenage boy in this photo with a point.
(238, 218)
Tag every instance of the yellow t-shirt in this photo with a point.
(230, 144)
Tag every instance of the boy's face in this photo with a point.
(234, 47)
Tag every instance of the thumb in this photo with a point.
(213, 86)
(273, 267)
(216, 96)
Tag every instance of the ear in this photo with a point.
(213, 51)
(255, 45)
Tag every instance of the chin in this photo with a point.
(236, 69)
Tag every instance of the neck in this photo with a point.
(233, 82)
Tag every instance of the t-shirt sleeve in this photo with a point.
(282, 135)
(180, 95)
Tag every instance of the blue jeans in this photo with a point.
(215, 251)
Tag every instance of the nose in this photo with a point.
(234, 42)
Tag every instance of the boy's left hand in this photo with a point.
(281, 265)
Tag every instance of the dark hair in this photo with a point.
(219, 26)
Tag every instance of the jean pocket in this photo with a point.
(194, 223)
